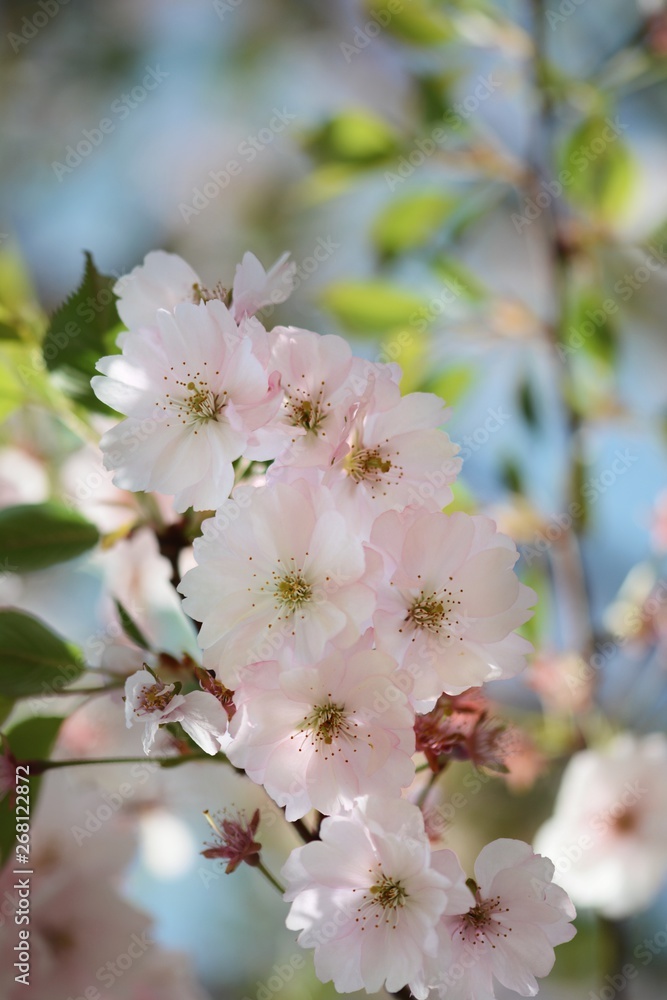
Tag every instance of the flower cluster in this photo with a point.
(339, 603)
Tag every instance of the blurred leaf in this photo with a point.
(601, 168)
(81, 331)
(32, 739)
(33, 658)
(130, 627)
(16, 288)
(34, 536)
(590, 326)
(370, 306)
(527, 403)
(459, 278)
(464, 500)
(6, 705)
(418, 21)
(435, 96)
(12, 392)
(511, 475)
(8, 331)
(451, 384)
(411, 222)
(535, 628)
(356, 137)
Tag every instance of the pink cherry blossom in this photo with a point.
(150, 701)
(505, 929)
(193, 392)
(318, 384)
(392, 454)
(283, 574)
(608, 835)
(317, 737)
(254, 287)
(163, 281)
(366, 898)
(450, 601)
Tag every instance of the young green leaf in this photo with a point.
(81, 331)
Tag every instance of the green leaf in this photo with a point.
(528, 403)
(34, 536)
(81, 331)
(459, 278)
(590, 325)
(417, 21)
(355, 137)
(370, 306)
(6, 705)
(411, 222)
(452, 384)
(12, 392)
(130, 627)
(598, 170)
(33, 660)
(32, 739)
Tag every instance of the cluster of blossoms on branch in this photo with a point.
(339, 605)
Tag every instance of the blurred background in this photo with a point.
(475, 190)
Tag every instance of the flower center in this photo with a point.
(389, 893)
(155, 698)
(203, 404)
(326, 722)
(437, 612)
(202, 294)
(366, 464)
(479, 924)
(427, 612)
(293, 591)
(304, 413)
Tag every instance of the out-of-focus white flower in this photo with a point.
(505, 929)
(318, 737)
(608, 835)
(149, 701)
(366, 898)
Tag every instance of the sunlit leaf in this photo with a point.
(418, 21)
(356, 137)
(370, 306)
(411, 221)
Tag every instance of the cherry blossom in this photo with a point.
(366, 898)
(235, 841)
(193, 393)
(165, 280)
(317, 737)
(286, 575)
(505, 929)
(254, 287)
(450, 601)
(150, 701)
(392, 454)
(608, 835)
